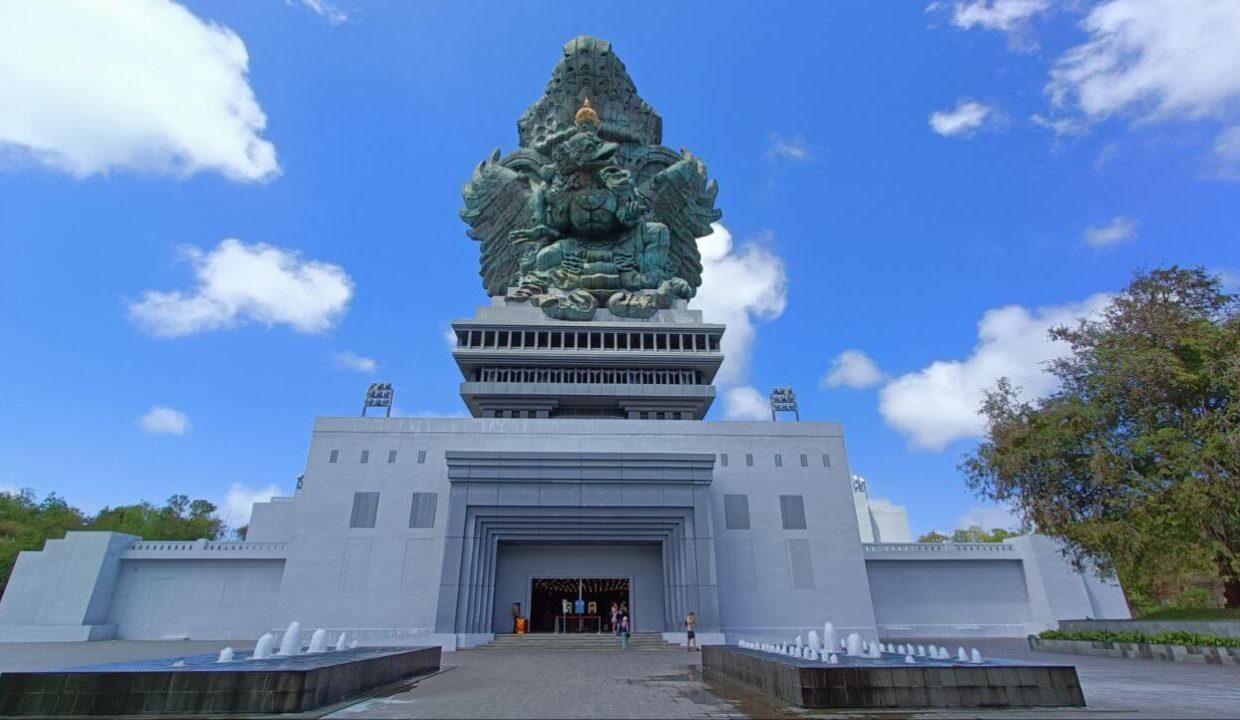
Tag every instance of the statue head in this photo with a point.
(585, 150)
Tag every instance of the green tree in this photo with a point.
(975, 533)
(26, 524)
(1134, 462)
(934, 536)
(178, 519)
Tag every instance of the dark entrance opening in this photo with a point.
(547, 596)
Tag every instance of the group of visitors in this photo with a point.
(620, 622)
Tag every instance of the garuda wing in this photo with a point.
(499, 198)
(680, 197)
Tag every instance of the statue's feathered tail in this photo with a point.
(681, 197)
(498, 200)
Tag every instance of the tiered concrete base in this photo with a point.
(200, 686)
(886, 684)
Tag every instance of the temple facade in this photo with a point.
(587, 473)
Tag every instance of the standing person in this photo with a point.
(615, 615)
(624, 632)
(690, 623)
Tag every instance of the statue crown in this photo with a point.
(587, 114)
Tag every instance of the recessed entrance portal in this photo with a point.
(542, 576)
(554, 603)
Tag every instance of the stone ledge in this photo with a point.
(1200, 654)
(814, 684)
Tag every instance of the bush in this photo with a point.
(1167, 637)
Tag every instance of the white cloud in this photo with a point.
(1004, 15)
(1156, 59)
(353, 361)
(1227, 153)
(939, 403)
(988, 517)
(965, 119)
(1119, 230)
(239, 283)
(852, 369)
(739, 288)
(448, 335)
(239, 502)
(88, 87)
(746, 403)
(794, 149)
(160, 420)
(326, 10)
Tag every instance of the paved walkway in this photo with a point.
(668, 684)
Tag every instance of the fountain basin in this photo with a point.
(889, 682)
(203, 686)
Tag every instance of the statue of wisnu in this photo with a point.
(591, 210)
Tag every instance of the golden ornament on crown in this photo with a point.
(587, 114)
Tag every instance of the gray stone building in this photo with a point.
(587, 470)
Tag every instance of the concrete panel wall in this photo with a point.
(519, 564)
(949, 597)
(197, 599)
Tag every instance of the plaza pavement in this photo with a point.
(668, 684)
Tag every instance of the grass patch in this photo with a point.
(1193, 614)
(1168, 637)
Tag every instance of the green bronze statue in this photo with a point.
(591, 211)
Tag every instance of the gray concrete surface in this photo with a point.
(669, 684)
(612, 684)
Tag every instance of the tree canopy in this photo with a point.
(973, 533)
(26, 523)
(1134, 462)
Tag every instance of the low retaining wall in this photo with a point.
(1221, 628)
(813, 684)
(203, 687)
(1170, 653)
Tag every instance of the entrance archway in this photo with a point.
(548, 595)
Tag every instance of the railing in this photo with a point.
(938, 547)
(203, 546)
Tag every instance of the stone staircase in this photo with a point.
(576, 641)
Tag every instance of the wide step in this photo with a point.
(576, 641)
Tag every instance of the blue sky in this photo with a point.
(220, 220)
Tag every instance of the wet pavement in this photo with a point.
(668, 684)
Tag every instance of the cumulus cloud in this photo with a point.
(89, 87)
(740, 287)
(963, 120)
(238, 283)
(160, 420)
(939, 403)
(1012, 17)
(1119, 230)
(794, 149)
(239, 502)
(1156, 59)
(353, 361)
(746, 403)
(852, 369)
